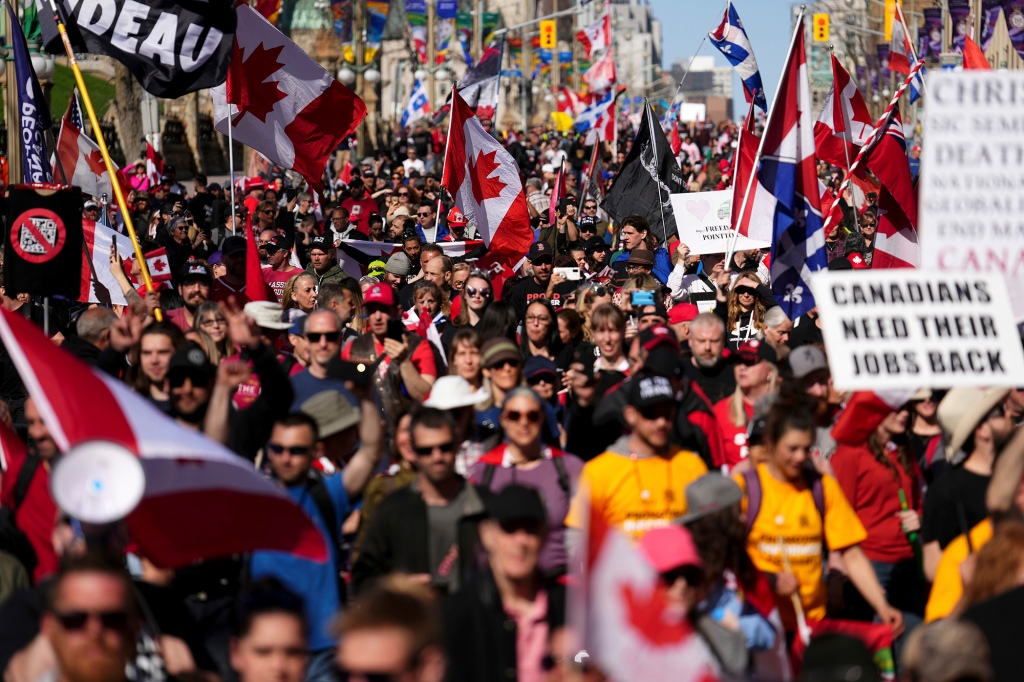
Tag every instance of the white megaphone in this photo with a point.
(98, 482)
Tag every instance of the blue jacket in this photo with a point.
(662, 263)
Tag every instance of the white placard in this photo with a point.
(972, 176)
(692, 112)
(888, 329)
(704, 223)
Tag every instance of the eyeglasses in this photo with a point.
(482, 293)
(403, 194)
(532, 417)
(115, 621)
(588, 228)
(176, 379)
(297, 450)
(268, 210)
(541, 379)
(213, 322)
(423, 215)
(314, 337)
(538, 319)
(428, 450)
(504, 364)
(590, 207)
(749, 291)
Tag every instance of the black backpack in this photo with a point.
(12, 539)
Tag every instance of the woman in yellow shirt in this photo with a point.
(797, 513)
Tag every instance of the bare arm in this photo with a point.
(415, 383)
(862, 575)
(931, 555)
(359, 470)
(230, 374)
(1006, 476)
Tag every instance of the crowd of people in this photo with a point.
(454, 475)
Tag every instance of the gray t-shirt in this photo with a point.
(443, 543)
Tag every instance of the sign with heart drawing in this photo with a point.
(704, 219)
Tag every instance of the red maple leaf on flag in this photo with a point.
(646, 614)
(253, 93)
(484, 186)
(159, 265)
(95, 161)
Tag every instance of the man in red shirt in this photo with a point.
(360, 205)
(194, 289)
(233, 281)
(36, 514)
(408, 362)
(281, 269)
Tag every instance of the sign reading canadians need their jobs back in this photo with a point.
(704, 223)
(971, 215)
(888, 329)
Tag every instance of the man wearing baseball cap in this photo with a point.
(232, 283)
(637, 484)
(408, 368)
(281, 270)
(194, 285)
(322, 265)
(541, 285)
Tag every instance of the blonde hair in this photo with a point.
(289, 289)
(737, 413)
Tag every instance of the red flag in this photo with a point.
(844, 124)
(597, 36)
(485, 183)
(746, 153)
(899, 49)
(201, 500)
(601, 75)
(282, 103)
(896, 244)
(675, 141)
(154, 166)
(255, 286)
(974, 58)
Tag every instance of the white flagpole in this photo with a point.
(767, 124)
(444, 159)
(231, 169)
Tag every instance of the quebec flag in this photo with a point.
(731, 40)
(786, 207)
(590, 116)
(417, 107)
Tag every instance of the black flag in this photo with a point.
(648, 177)
(43, 254)
(172, 47)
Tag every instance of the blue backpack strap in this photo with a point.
(753, 484)
(818, 493)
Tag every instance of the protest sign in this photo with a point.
(704, 223)
(972, 172)
(888, 329)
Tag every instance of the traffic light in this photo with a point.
(548, 35)
(821, 28)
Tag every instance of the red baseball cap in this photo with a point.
(682, 312)
(381, 294)
(455, 217)
(669, 548)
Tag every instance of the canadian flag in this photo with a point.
(601, 74)
(899, 49)
(154, 166)
(743, 173)
(98, 284)
(621, 611)
(190, 480)
(597, 36)
(82, 162)
(484, 181)
(896, 239)
(159, 266)
(282, 103)
(844, 124)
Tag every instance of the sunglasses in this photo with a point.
(591, 207)
(549, 663)
(541, 379)
(749, 291)
(543, 260)
(297, 450)
(654, 412)
(532, 417)
(314, 337)
(403, 194)
(268, 210)
(177, 378)
(427, 451)
(115, 621)
(482, 293)
(423, 215)
(588, 228)
(504, 364)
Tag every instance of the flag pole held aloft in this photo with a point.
(111, 171)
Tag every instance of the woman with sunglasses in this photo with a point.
(744, 308)
(756, 376)
(472, 302)
(524, 459)
(794, 514)
(876, 470)
(925, 433)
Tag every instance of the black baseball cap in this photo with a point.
(517, 503)
(232, 245)
(190, 361)
(195, 269)
(539, 250)
(650, 391)
(595, 243)
(320, 243)
(588, 223)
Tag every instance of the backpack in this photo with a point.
(12, 539)
(753, 482)
(563, 475)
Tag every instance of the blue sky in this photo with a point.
(685, 22)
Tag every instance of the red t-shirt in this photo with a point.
(276, 279)
(873, 491)
(359, 211)
(422, 358)
(37, 515)
(221, 291)
(733, 438)
(177, 316)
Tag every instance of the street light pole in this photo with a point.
(14, 174)
(431, 57)
(359, 46)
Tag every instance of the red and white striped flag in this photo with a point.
(201, 500)
(601, 75)
(597, 36)
(154, 166)
(845, 124)
(900, 58)
(98, 285)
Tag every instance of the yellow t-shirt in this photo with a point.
(635, 495)
(788, 514)
(948, 587)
